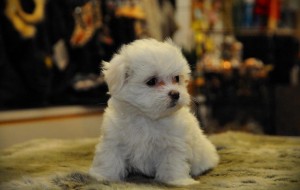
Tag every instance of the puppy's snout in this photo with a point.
(174, 95)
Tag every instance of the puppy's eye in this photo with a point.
(152, 81)
(176, 79)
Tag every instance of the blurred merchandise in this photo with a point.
(51, 51)
(236, 70)
(240, 52)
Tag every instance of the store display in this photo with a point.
(25, 22)
(273, 16)
(238, 49)
(53, 48)
(28, 57)
(87, 20)
(248, 15)
(236, 71)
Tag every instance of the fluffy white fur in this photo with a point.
(145, 130)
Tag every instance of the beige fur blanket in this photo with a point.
(247, 162)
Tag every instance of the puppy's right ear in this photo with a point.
(114, 73)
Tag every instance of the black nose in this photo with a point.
(174, 94)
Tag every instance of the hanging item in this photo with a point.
(22, 21)
(208, 27)
(87, 21)
(261, 10)
(153, 18)
(131, 10)
(248, 13)
(60, 55)
(274, 15)
(168, 24)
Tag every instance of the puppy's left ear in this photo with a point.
(172, 43)
(114, 73)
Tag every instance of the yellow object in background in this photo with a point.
(200, 81)
(48, 62)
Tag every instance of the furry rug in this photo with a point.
(247, 162)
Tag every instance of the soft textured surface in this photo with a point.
(247, 162)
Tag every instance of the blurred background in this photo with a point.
(244, 56)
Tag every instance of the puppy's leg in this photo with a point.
(108, 164)
(173, 169)
(205, 156)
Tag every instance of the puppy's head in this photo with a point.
(149, 75)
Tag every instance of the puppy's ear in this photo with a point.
(114, 73)
(170, 42)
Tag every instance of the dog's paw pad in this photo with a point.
(97, 176)
(183, 182)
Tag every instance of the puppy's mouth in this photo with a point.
(173, 104)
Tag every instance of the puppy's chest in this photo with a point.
(141, 151)
(139, 135)
(141, 140)
(144, 144)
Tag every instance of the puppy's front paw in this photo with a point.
(182, 182)
(97, 176)
(206, 164)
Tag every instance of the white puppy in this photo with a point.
(147, 126)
